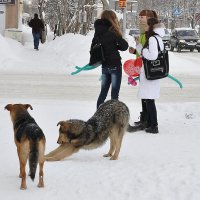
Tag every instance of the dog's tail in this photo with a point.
(33, 159)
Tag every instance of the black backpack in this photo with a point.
(159, 68)
(97, 53)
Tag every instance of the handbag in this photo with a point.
(97, 53)
(159, 68)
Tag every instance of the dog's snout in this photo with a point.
(60, 142)
(61, 139)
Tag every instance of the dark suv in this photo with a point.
(134, 32)
(184, 38)
(166, 38)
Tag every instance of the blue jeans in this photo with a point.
(110, 76)
(36, 40)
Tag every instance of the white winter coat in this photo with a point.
(150, 89)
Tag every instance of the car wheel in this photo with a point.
(191, 50)
(178, 48)
(198, 50)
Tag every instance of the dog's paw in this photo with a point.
(107, 155)
(23, 187)
(40, 185)
(114, 158)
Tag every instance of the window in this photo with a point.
(186, 33)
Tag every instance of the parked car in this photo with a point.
(134, 32)
(184, 38)
(166, 38)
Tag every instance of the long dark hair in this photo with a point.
(149, 13)
(112, 17)
(150, 22)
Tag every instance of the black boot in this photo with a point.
(139, 127)
(143, 118)
(135, 128)
(152, 129)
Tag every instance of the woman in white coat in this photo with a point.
(150, 89)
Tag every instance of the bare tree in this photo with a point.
(41, 7)
(71, 16)
(105, 4)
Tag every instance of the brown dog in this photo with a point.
(30, 142)
(109, 121)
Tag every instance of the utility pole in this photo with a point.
(123, 6)
(124, 22)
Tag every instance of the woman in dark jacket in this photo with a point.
(107, 31)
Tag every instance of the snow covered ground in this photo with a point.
(165, 166)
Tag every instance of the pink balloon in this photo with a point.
(131, 81)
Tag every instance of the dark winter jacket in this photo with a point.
(36, 24)
(111, 43)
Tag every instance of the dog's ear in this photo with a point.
(8, 107)
(28, 106)
(64, 124)
(61, 123)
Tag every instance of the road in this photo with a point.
(84, 87)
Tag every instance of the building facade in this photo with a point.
(11, 19)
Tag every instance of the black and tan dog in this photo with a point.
(109, 121)
(30, 142)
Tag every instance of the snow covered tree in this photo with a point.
(71, 16)
(105, 4)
